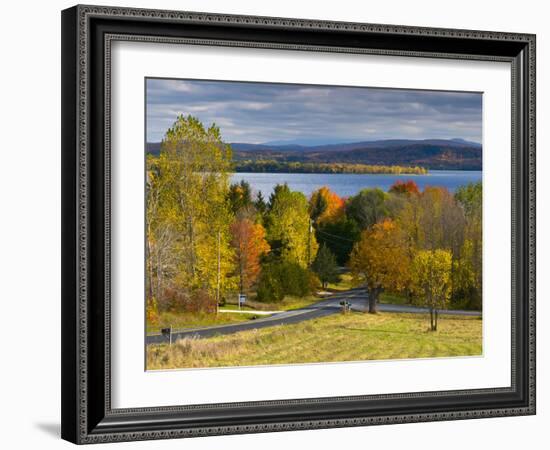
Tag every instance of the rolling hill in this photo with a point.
(443, 154)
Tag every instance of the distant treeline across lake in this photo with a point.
(345, 184)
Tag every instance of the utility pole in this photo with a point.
(309, 243)
(219, 270)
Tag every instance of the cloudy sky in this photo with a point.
(269, 112)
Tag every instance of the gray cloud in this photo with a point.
(263, 112)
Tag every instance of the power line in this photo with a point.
(332, 242)
(335, 236)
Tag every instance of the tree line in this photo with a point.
(271, 165)
(208, 239)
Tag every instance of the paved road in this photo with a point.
(319, 309)
(357, 298)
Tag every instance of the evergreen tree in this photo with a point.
(260, 204)
(240, 196)
(325, 266)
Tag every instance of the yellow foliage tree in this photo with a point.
(380, 260)
(188, 213)
(431, 276)
(289, 226)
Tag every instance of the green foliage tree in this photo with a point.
(339, 237)
(240, 196)
(325, 266)
(280, 278)
(260, 204)
(270, 287)
(368, 207)
(466, 281)
(431, 275)
(289, 228)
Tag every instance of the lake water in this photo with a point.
(346, 184)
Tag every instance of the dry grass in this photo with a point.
(350, 337)
(346, 282)
(288, 303)
(191, 320)
(183, 320)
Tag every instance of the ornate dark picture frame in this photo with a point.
(87, 34)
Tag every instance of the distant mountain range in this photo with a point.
(444, 154)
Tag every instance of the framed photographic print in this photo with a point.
(267, 222)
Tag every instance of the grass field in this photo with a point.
(340, 337)
(288, 303)
(182, 320)
(346, 282)
(191, 320)
(394, 299)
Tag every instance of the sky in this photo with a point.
(312, 115)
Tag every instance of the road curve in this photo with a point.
(356, 297)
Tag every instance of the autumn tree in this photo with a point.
(248, 240)
(441, 220)
(367, 207)
(380, 260)
(188, 197)
(408, 188)
(161, 236)
(325, 266)
(467, 277)
(325, 206)
(289, 228)
(431, 275)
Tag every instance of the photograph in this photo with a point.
(298, 224)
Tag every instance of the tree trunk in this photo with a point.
(373, 300)
(435, 322)
(431, 319)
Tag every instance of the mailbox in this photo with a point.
(346, 306)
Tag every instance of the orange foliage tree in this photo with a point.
(325, 206)
(408, 187)
(248, 240)
(381, 261)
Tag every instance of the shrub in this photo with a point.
(283, 278)
(295, 279)
(314, 282)
(184, 301)
(151, 312)
(270, 288)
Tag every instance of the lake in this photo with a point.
(346, 184)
